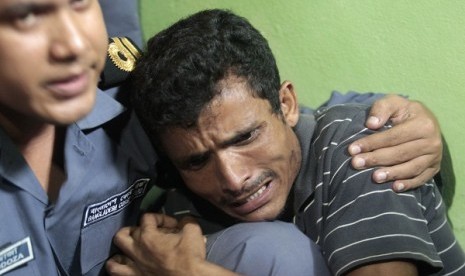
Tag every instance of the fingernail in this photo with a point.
(381, 176)
(359, 162)
(372, 120)
(399, 187)
(355, 149)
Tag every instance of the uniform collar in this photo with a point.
(14, 168)
(105, 109)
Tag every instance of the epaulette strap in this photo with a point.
(122, 56)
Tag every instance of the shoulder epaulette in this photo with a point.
(122, 56)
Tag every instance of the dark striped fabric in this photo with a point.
(356, 221)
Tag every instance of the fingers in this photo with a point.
(412, 168)
(155, 220)
(410, 151)
(406, 132)
(119, 265)
(132, 240)
(406, 176)
(157, 249)
(412, 183)
(192, 238)
(187, 220)
(391, 107)
(401, 162)
(374, 141)
(190, 226)
(403, 184)
(191, 230)
(125, 240)
(401, 153)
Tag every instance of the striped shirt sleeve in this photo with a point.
(362, 222)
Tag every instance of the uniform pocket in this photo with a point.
(101, 222)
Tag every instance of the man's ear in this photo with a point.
(289, 104)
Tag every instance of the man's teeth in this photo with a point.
(257, 193)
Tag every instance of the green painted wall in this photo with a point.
(411, 47)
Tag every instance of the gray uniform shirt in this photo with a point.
(108, 162)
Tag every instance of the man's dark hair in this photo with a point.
(178, 74)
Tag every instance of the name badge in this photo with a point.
(15, 255)
(114, 204)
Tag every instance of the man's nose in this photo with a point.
(68, 39)
(232, 172)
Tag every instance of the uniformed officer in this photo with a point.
(67, 182)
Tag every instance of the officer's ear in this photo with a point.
(122, 56)
(289, 104)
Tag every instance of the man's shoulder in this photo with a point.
(337, 127)
(337, 123)
(341, 111)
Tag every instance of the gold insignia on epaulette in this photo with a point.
(123, 53)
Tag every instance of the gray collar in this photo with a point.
(105, 109)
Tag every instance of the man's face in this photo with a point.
(51, 53)
(241, 157)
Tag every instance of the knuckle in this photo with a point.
(429, 174)
(436, 144)
(392, 97)
(111, 269)
(429, 125)
(416, 105)
(193, 227)
(410, 184)
(145, 242)
(365, 144)
(434, 171)
(393, 135)
(371, 160)
(118, 238)
(385, 103)
(419, 180)
(417, 168)
(393, 175)
(379, 105)
(401, 154)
